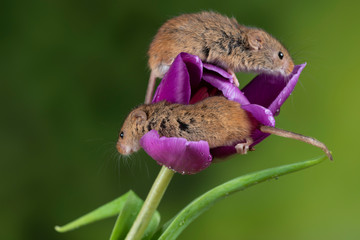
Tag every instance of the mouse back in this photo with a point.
(218, 121)
(191, 33)
(219, 40)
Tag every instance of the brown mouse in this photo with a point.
(218, 121)
(219, 40)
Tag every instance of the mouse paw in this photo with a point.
(242, 148)
(236, 81)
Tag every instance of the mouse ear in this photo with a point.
(255, 39)
(139, 116)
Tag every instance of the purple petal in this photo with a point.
(183, 156)
(195, 68)
(175, 86)
(258, 136)
(287, 90)
(271, 91)
(261, 114)
(222, 152)
(227, 88)
(219, 70)
(266, 94)
(262, 97)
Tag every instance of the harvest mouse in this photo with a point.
(218, 121)
(219, 40)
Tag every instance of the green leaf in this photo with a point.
(111, 209)
(108, 210)
(152, 227)
(127, 217)
(173, 228)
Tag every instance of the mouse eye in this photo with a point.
(281, 55)
(121, 135)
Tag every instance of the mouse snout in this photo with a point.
(127, 148)
(290, 68)
(123, 149)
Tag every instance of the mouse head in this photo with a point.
(131, 132)
(269, 54)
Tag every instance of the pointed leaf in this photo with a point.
(126, 217)
(108, 210)
(111, 209)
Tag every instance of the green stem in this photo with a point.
(151, 203)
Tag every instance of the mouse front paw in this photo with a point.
(236, 81)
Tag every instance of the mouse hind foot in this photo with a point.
(243, 148)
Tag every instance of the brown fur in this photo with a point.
(218, 121)
(219, 40)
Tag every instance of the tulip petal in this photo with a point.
(262, 97)
(287, 90)
(195, 68)
(175, 86)
(222, 152)
(261, 114)
(186, 157)
(226, 87)
(219, 70)
(270, 91)
(264, 116)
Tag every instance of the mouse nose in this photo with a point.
(121, 149)
(290, 68)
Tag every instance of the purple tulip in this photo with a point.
(189, 80)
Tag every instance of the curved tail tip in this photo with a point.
(328, 153)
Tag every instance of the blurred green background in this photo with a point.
(70, 72)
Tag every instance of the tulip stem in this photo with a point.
(151, 203)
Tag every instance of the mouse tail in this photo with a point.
(150, 88)
(296, 136)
